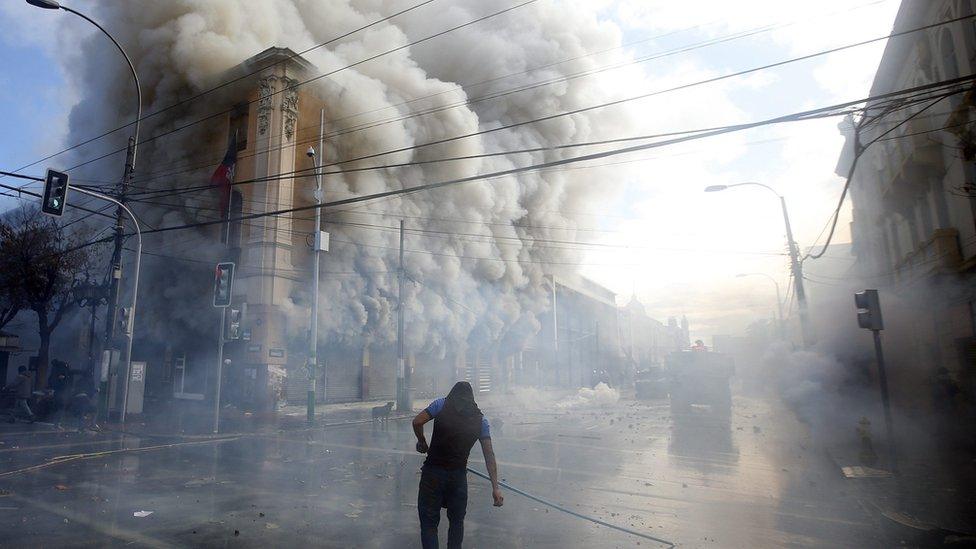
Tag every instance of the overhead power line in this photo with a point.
(312, 79)
(836, 108)
(502, 93)
(222, 85)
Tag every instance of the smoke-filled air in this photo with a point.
(488, 273)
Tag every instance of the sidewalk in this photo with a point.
(931, 502)
(179, 418)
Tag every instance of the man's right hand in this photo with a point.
(422, 446)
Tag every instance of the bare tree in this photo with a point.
(40, 266)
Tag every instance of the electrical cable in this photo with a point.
(221, 85)
(313, 79)
(501, 93)
(740, 127)
(571, 512)
(850, 174)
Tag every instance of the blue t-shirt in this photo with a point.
(438, 405)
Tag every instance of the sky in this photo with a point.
(662, 238)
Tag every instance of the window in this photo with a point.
(238, 125)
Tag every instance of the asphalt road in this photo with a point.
(702, 481)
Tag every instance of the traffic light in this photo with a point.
(235, 317)
(223, 284)
(55, 193)
(123, 320)
(868, 310)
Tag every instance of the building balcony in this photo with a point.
(938, 255)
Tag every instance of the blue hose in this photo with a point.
(574, 513)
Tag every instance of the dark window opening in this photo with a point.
(238, 125)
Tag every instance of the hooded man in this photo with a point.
(458, 423)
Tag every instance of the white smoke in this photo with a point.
(483, 286)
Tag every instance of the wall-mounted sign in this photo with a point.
(254, 348)
(276, 353)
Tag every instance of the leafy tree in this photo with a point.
(40, 268)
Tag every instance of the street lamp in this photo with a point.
(796, 266)
(121, 210)
(779, 299)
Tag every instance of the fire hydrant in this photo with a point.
(867, 454)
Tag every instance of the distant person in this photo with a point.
(699, 346)
(60, 384)
(458, 423)
(83, 394)
(24, 387)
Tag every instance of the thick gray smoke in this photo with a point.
(492, 281)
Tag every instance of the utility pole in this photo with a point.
(796, 265)
(115, 279)
(797, 268)
(313, 337)
(403, 377)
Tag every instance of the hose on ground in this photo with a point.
(574, 513)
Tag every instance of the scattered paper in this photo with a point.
(142, 514)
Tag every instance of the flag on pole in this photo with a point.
(223, 176)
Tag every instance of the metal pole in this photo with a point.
(91, 338)
(883, 382)
(403, 392)
(313, 339)
(220, 367)
(797, 268)
(135, 293)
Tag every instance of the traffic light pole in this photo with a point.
(220, 368)
(112, 307)
(883, 382)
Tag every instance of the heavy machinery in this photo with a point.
(698, 381)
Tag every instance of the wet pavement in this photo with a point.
(751, 480)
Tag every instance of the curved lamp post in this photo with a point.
(130, 163)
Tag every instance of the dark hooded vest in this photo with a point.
(454, 436)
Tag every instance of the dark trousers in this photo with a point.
(24, 408)
(441, 487)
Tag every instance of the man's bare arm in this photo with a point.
(496, 492)
(418, 430)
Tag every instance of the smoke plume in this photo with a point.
(479, 280)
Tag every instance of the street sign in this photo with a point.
(55, 193)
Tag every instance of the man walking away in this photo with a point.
(81, 401)
(24, 389)
(458, 423)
